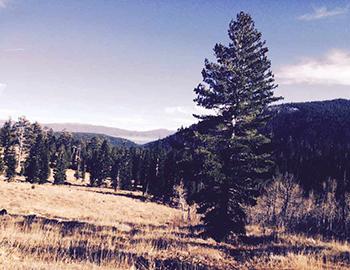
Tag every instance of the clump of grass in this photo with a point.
(303, 261)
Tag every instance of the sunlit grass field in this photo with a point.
(78, 227)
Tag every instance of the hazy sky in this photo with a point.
(134, 64)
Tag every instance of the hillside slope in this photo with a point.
(135, 136)
(77, 227)
(52, 226)
(138, 137)
(114, 141)
(311, 140)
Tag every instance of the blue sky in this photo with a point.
(134, 64)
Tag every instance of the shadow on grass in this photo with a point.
(245, 249)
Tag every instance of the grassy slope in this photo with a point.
(76, 227)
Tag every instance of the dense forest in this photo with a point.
(310, 140)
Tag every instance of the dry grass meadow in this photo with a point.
(77, 227)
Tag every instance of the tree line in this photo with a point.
(32, 151)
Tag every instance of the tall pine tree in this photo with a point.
(92, 152)
(9, 141)
(104, 163)
(10, 162)
(37, 168)
(237, 88)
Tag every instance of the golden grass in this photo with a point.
(78, 227)
(95, 205)
(302, 261)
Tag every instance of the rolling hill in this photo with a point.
(114, 141)
(139, 137)
(136, 137)
(310, 140)
(79, 227)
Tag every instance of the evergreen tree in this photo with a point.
(103, 163)
(8, 134)
(44, 172)
(65, 139)
(32, 166)
(22, 130)
(8, 141)
(83, 159)
(92, 150)
(51, 144)
(2, 165)
(115, 169)
(238, 88)
(10, 162)
(61, 166)
(125, 171)
(37, 168)
(145, 171)
(76, 160)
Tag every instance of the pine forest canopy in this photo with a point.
(309, 140)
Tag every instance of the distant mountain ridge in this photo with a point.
(114, 141)
(138, 137)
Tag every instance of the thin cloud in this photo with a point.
(135, 119)
(332, 69)
(3, 3)
(2, 87)
(324, 12)
(15, 49)
(7, 112)
(189, 110)
(177, 110)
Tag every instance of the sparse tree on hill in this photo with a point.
(238, 87)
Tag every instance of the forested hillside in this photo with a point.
(310, 140)
(114, 141)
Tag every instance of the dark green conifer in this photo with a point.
(61, 167)
(92, 151)
(9, 141)
(37, 168)
(104, 163)
(10, 162)
(238, 88)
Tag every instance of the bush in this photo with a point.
(284, 204)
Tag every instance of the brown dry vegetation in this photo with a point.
(76, 227)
